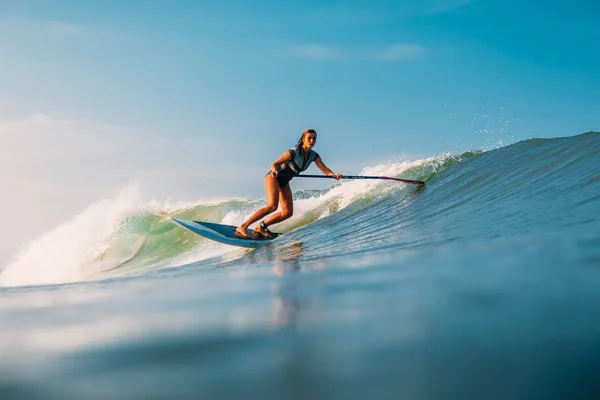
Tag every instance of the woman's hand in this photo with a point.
(326, 170)
(285, 157)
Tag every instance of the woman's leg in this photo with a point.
(272, 188)
(287, 206)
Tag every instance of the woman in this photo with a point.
(291, 163)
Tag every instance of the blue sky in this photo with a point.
(197, 98)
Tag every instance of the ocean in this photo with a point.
(483, 284)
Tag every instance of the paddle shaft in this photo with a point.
(389, 178)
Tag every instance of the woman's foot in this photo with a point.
(261, 229)
(242, 232)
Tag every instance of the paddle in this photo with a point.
(389, 178)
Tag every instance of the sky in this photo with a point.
(194, 99)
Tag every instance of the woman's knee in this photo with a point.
(271, 208)
(287, 213)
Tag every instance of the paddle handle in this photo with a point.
(389, 178)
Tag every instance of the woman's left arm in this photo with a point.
(326, 170)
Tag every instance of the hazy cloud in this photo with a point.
(439, 6)
(402, 51)
(67, 149)
(399, 51)
(359, 12)
(62, 28)
(41, 137)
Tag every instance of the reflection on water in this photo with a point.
(291, 300)
(286, 260)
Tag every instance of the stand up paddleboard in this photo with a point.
(223, 233)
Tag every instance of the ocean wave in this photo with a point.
(533, 185)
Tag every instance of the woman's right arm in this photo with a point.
(285, 157)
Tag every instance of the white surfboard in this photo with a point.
(223, 233)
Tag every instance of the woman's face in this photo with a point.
(309, 140)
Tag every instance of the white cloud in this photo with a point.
(402, 51)
(318, 52)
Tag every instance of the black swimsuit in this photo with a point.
(284, 175)
(298, 163)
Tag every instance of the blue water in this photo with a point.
(483, 284)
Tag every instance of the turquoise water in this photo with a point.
(483, 284)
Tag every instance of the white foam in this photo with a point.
(69, 253)
(344, 194)
(60, 256)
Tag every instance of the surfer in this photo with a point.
(290, 164)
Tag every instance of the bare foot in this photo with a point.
(242, 233)
(259, 231)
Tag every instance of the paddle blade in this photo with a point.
(402, 180)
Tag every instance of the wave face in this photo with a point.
(376, 290)
(531, 187)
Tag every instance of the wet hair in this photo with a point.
(309, 130)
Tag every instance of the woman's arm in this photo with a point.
(285, 157)
(326, 170)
